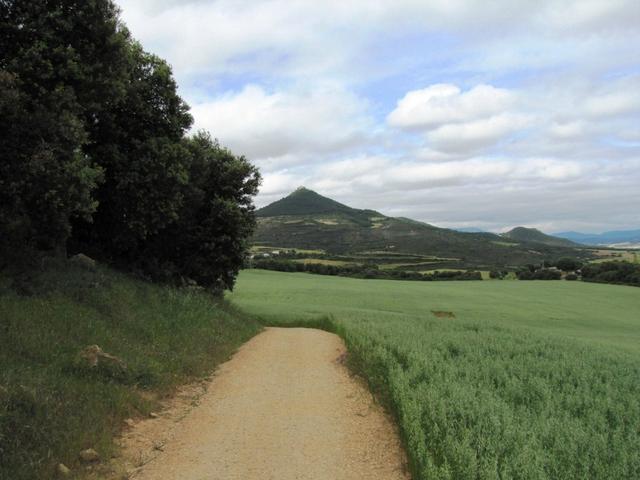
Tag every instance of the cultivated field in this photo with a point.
(525, 380)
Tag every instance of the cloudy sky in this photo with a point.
(460, 113)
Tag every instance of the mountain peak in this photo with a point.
(303, 201)
(533, 235)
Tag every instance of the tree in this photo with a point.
(139, 146)
(94, 145)
(568, 264)
(208, 241)
(56, 55)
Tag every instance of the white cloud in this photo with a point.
(459, 122)
(613, 104)
(470, 136)
(263, 125)
(444, 103)
(567, 130)
(507, 112)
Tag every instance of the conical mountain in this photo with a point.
(307, 220)
(303, 201)
(533, 235)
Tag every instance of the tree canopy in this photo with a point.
(96, 155)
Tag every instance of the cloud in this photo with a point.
(450, 111)
(567, 130)
(470, 136)
(444, 103)
(283, 125)
(614, 103)
(457, 122)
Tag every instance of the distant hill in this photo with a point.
(305, 202)
(533, 235)
(306, 220)
(615, 237)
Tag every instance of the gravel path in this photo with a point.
(284, 407)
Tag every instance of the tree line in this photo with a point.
(369, 271)
(96, 155)
(624, 273)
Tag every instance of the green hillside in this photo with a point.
(533, 235)
(306, 202)
(307, 220)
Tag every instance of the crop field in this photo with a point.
(323, 261)
(487, 380)
(605, 255)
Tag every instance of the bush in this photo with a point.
(542, 274)
(612, 272)
(568, 264)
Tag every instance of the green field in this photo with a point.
(527, 380)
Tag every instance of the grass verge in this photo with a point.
(52, 404)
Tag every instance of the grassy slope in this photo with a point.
(531, 380)
(532, 235)
(51, 406)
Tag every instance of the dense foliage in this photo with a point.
(540, 274)
(369, 271)
(519, 381)
(612, 272)
(95, 152)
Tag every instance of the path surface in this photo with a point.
(284, 407)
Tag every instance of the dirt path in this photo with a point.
(284, 407)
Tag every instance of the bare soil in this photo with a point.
(284, 407)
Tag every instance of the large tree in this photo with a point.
(61, 61)
(94, 145)
(139, 146)
(208, 241)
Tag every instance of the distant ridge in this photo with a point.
(305, 219)
(606, 238)
(533, 235)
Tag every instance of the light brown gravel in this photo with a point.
(283, 408)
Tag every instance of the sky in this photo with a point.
(459, 113)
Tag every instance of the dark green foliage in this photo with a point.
(57, 59)
(370, 271)
(139, 146)
(94, 151)
(207, 242)
(568, 264)
(540, 274)
(612, 272)
(52, 405)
